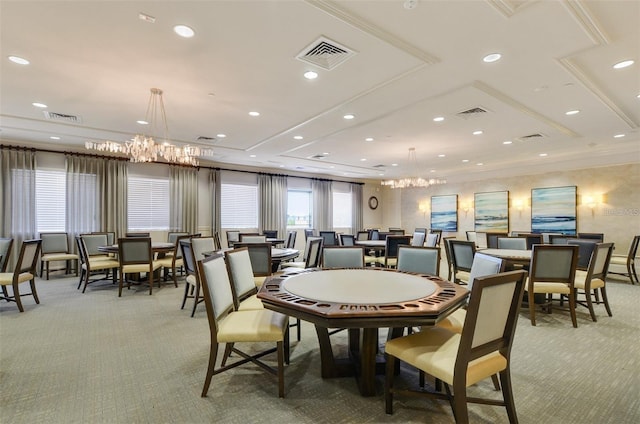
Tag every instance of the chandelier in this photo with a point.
(143, 148)
(411, 182)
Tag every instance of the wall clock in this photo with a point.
(373, 202)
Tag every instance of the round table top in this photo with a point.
(359, 286)
(507, 253)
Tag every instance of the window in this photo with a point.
(299, 209)
(50, 200)
(148, 203)
(341, 210)
(239, 206)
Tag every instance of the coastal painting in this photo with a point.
(491, 211)
(553, 210)
(444, 212)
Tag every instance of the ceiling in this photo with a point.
(412, 61)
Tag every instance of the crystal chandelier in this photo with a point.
(411, 182)
(143, 148)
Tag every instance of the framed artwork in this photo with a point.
(491, 211)
(444, 212)
(553, 210)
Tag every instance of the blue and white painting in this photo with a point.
(553, 210)
(444, 212)
(492, 211)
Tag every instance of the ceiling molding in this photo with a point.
(359, 23)
(586, 20)
(508, 8)
(522, 108)
(578, 74)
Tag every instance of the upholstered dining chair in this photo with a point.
(438, 233)
(552, 271)
(172, 236)
(201, 245)
(230, 326)
(240, 272)
(347, 240)
(342, 257)
(93, 242)
(192, 288)
(291, 240)
(594, 279)
(423, 260)
(585, 250)
(513, 243)
(111, 236)
(232, 237)
(5, 252)
(329, 238)
(135, 256)
(432, 239)
(260, 256)
(137, 234)
(628, 260)
(481, 350)
(252, 238)
(55, 247)
(305, 255)
(171, 263)
(270, 234)
(24, 271)
(418, 239)
(90, 265)
(462, 253)
(391, 249)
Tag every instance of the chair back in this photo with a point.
(140, 235)
(216, 288)
(392, 244)
(188, 259)
(28, 258)
(342, 257)
(240, 273)
(252, 238)
(418, 239)
(93, 241)
(491, 318)
(597, 237)
(216, 240)
(172, 236)
(462, 253)
(471, 236)
(492, 239)
(314, 249)
(600, 259)
(553, 263)
(362, 235)
(484, 265)
(270, 234)
(54, 243)
(420, 230)
(481, 240)
(328, 238)
(438, 232)
(260, 256)
(432, 240)
(374, 234)
(559, 238)
(396, 231)
(5, 252)
(423, 260)
(201, 245)
(585, 250)
(134, 250)
(291, 240)
(111, 236)
(514, 243)
(232, 237)
(532, 239)
(82, 250)
(633, 248)
(347, 240)
(309, 232)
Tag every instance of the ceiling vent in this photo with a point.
(53, 116)
(325, 53)
(532, 137)
(472, 113)
(380, 166)
(205, 138)
(320, 156)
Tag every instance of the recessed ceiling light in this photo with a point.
(368, 139)
(479, 163)
(221, 135)
(507, 142)
(36, 104)
(325, 153)
(332, 167)
(465, 160)
(141, 122)
(349, 116)
(311, 75)
(433, 170)
(477, 132)
(438, 119)
(298, 137)
(252, 156)
(542, 155)
(19, 60)
(572, 112)
(254, 113)
(380, 174)
(623, 64)
(363, 160)
(54, 137)
(493, 57)
(441, 155)
(281, 166)
(394, 164)
(618, 135)
(183, 31)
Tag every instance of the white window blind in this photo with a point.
(299, 208)
(148, 203)
(341, 210)
(50, 200)
(239, 206)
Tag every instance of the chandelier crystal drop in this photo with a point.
(415, 181)
(143, 148)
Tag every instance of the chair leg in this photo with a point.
(175, 277)
(459, 403)
(496, 382)
(122, 275)
(572, 309)
(16, 297)
(47, 269)
(532, 306)
(298, 329)
(605, 300)
(587, 295)
(227, 353)
(507, 395)
(34, 293)
(196, 298)
(150, 278)
(281, 355)
(186, 291)
(388, 383)
(213, 355)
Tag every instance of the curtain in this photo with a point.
(112, 191)
(183, 199)
(18, 198)
(272, 214)
(215, 189)
(322, 205)
(82, 200)
(357, 220)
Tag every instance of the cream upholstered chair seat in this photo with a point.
(551, 287)
(55, 247)
(589, 283)
(6, 278)
(256, 325)
(24, 271)
(251, 303)
(463, 276)
(455, 321)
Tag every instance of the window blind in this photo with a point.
(148, 203)
(239, 206)
(50, 200)
(341, 210)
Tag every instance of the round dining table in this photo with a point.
(363, 300)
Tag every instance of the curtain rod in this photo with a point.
(34, 149)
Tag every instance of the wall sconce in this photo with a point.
(424, 208)
(465, 206)
(592, 201)
(518, 204)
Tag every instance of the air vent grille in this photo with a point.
(205, 138)
(380, 166)
(317, 157)
(472, 112)
(532, 136)
(54, 116)
(325, 53)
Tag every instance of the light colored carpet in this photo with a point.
(97, 358)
